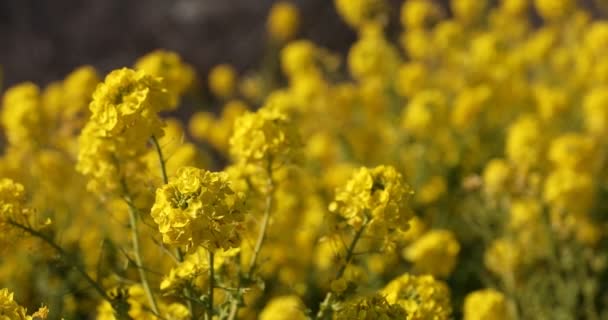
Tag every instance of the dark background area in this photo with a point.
(43, 40)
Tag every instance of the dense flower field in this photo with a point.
(454, 169)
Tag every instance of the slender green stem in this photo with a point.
(178, 251)
(66, 257)
(211, 286)
(234, 306)
(263, 230)
(137, 253)
(349, 255)
(161, 159)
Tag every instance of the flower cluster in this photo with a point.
(265, 136)
(281, 192)
(198, 208)
(486, 304)
(11, 310)
(422, 297)
(377, 198)
(124, 116)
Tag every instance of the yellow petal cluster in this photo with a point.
(177, 76)
(487, 304)
(378, 196)
(199, 208)
(422, 297)
(265, 135)
(434, 253)
(283, 21)
(284, 308)
(124, 116)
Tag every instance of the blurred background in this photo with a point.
(42, 41)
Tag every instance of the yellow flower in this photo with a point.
(9, 309)
(267, 134)
(418, 13)
(378, 196)
(572, 150)
(284, 308)
(553, 9)
(22, 115)
(468, 11)
(503, 257)
(524, 142)
(298, 57)
(283, 21)
(78, 87)
(124, 116)
(567, 189)
(358, 12)
(423, 112)
(422, 297)
(595, 107)
(222, 81)
(198, 208)
(487, 304)
(372, 55)
(13, 209)
(434, 253)
(177, 76)
(497, 176)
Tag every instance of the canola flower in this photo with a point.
(296, 199)
(376, 198)
(124, 116)
(198, 208)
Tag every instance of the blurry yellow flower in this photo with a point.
(422, 297)
(378, 196)
(524, 142)
(222, 81)
(267, 134)
(487, 304)
(176, 75)
(418, 13)
(432, 190)
(595, 107)
(358, 12)
(468, 11)
(572, 150)
(284, 308)
(372, 55)
(503, 257)
(497, 176)
(553, 9)
(434, 253)
(283, 21)
(22, 115)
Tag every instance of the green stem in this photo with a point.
(178, 251)
(66, 257)
(234, 306)
(137, 253)
(349, 255)
(263, 230)
(161, 160)
(211, 286)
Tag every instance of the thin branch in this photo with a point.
(65, 256)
